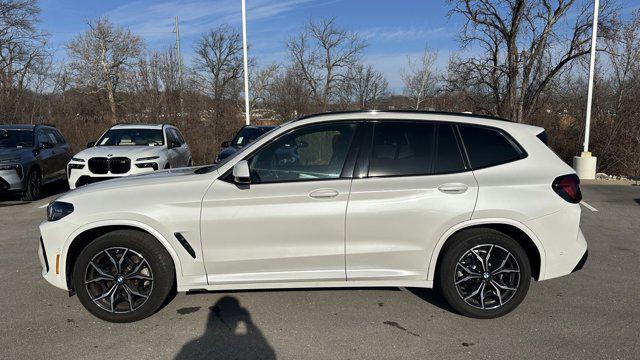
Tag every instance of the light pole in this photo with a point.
(246, 63)
(585, 164)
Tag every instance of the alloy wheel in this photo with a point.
(119, 280)
(487, 276)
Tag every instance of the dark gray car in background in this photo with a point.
(243, 137)
(30, 157)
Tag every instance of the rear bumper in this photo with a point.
(563, 244)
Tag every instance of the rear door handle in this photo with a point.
(453, 188)
(324, 194)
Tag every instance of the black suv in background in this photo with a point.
(244, 136)
(31, 156)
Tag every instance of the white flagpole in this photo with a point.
(585, 164)
(246, 63)
(592, 65)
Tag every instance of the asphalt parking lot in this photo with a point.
(592, 314)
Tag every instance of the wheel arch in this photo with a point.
(84, 236)
(518, 231)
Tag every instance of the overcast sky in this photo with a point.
(394, 29)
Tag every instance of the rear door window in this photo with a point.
(402, 149)
(488, 147)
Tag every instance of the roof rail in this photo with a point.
(465, 114)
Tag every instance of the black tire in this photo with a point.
(492, 299)
(139, 245)
(34, 186)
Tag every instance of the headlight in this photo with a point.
(58, 209)
(77, 159)
(148, 165)
(148, 158)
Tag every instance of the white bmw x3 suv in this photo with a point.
(474, 205)
(129, 149)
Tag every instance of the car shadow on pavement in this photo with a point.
(433, 297)
(52, 189)
(229, 334)
(637, 201)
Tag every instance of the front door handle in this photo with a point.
(453, 188)
(324, 194)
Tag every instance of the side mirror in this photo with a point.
(174, 144)
(91, 144)
(46, 145)
(241, 174)
(225, 144)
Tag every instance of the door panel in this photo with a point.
(274, 232)
(289, 223)
(394, 223)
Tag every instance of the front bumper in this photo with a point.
(10, 181)
(582, 261)
(51, 251)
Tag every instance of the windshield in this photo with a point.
(248, 134)
(10, 138)
(132, 137)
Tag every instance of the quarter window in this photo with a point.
(402, 148)
(448, 156)
(315, 152)
(488, 147)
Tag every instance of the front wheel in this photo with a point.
(34, 186)
(123, 276)
(484, 274)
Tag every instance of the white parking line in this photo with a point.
(43, 206)
(588, 206)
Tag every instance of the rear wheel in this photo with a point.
(123, 276)
(34, 186)
(484, 274)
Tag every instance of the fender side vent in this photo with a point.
(185, 244)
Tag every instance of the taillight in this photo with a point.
(568, 187)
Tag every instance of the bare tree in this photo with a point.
(261, 84)
(218, 65)
(101, 55)
(363, 86)
(22, 53)
(524, 44)
(323, 53)
(420, 78)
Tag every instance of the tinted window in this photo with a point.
(448, 156)
(42, 137)
(59, 138)
(172, 136)
(16, 138)
(179, 136)
(487, 147)
(312, 153)
(402, 149)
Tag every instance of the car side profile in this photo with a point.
(129, 149)
(476, 206)
(31, 156)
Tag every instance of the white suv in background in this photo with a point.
(474, 205)
(129, 149)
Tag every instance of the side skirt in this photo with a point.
(312, 284)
